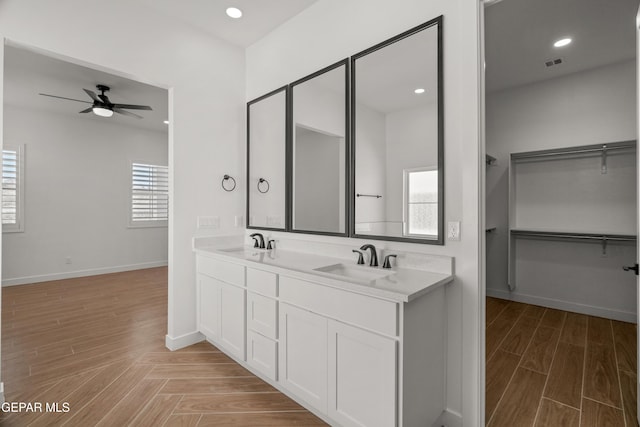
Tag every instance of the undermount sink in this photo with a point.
(366, 274)
(238, 249)
(242, 249)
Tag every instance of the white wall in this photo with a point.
(207, 102)
(303, 45)
(591, 107)
(78, 179)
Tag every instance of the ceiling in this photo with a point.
(28, 73)
(259, 16)
(519, 37)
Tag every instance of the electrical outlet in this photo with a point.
(67, 260)
(238, 221)
(453, 230)
(211, 222)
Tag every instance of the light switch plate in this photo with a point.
(238, 221)
(453, 230)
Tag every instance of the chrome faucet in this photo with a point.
(374, 254)
(258, 240)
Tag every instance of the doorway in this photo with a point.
(84, 197)
(560, 212)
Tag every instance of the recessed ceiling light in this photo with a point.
(562, 42)
(419, 90)
(166, 122)
(234, 12)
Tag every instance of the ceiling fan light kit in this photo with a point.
(102, 112)
(102, 106)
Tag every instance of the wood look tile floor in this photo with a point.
(97, 344)
(553, 368)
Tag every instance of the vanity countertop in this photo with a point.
(396, 284)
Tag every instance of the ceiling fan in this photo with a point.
(102, 106)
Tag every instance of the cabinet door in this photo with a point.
(262, 315)
(232, 319)
(209, 298)
(303, 355)
(262, 354)
(362, 377)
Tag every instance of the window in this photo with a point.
(149, 195)
(421, 202)
(12, 189)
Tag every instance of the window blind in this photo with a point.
(149, 192)
(10, 185)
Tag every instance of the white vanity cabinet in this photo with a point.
(347, 371)
(221, 304)
(354, 357)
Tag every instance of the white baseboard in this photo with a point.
(183, 340)
(607, 313)
(81, 273)
(448, 418)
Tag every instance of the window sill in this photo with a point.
(149, 224)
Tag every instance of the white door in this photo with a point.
(232, 319)
(303, 355)
(208, 307)
(362, 377)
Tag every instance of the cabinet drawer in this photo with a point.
(361, 310)
(262, 354)
(262, 315)
(221, 270)
(262, 282)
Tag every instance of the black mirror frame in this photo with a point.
(347, 153)
(441, 200)
(287, 183)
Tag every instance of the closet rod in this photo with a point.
(577, 150)
(578, 236)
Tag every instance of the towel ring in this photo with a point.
(227, 178)
(260, 181)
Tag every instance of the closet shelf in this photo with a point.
(584, 149)
(573, 235)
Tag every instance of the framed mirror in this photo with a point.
(319, 152)
(397, 138)
(266, 160)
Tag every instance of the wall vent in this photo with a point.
(552, 62)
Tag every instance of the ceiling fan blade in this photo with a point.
(88, 110)
(133, 107)
(62, 97)
(93, 95)
(126, 113)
